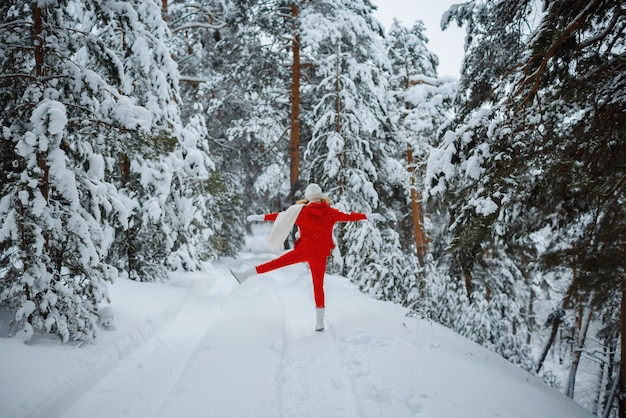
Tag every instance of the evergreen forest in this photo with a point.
(137, 135)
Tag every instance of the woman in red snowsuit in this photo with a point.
(315, 223)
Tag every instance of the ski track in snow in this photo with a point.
(95, 363)
(156, 363)
(235, 360)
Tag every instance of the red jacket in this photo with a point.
(316, 222)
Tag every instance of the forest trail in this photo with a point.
(204, 346)
(226, 339)
(313, 380)
(155, 364)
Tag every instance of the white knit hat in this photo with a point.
(313, 192)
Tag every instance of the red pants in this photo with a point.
(317, 265)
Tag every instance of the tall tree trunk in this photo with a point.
(531, 316)
(468, 285)
(294, 143)
(622, 378)
(42, 157)
(417, 211)
(125, 182)
(611, 397)
(38, 29)
(606, 376)
(343, 158)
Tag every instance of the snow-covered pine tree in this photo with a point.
(538, 144)
(238, 54)
(246, 100)
(350, 144)
(208, 197)
(412, 65)
(421, 103)
(56, 206)
(196, 191)
(88, 106)
(159, 159)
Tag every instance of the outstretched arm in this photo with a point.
(375, 217)
(261, 218)
(356, 216)
(348, 217)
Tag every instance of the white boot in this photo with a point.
(243, 275)
(319, 314)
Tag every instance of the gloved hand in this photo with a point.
(255, 218)
(375, 217)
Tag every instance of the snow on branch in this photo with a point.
(200, 25)
(191, 79)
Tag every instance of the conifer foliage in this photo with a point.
(138, 134)
(90, 126)
(349, 148)
(534, 167)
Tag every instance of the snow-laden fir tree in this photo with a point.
(56, 206)
(134, 33)
(88, 108)
(160, 161)
(237, 55)
(538, 145)
(247, 103)
(207, 197)
(420, 104)
(351, 152)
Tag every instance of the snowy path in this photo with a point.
(263, 345)
(203, 346)
(313, 381)
(156, 364)
(233, 367)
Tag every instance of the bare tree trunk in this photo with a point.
(531, 316)
(417, 209)
(468, 285)
(602, 376)
(611, 395)
(343, 159)
(42, 157)
(608, 378)
(582, 322)
(38, 28)
(39, 71)
(556, 318)
(612, 377)
(294, 143)
(125, 180)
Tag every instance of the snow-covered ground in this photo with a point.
(204, 346)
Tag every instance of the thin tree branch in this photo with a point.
(535, 77)
(276, 143)
(603, 34)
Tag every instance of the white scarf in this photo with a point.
(282, 227)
